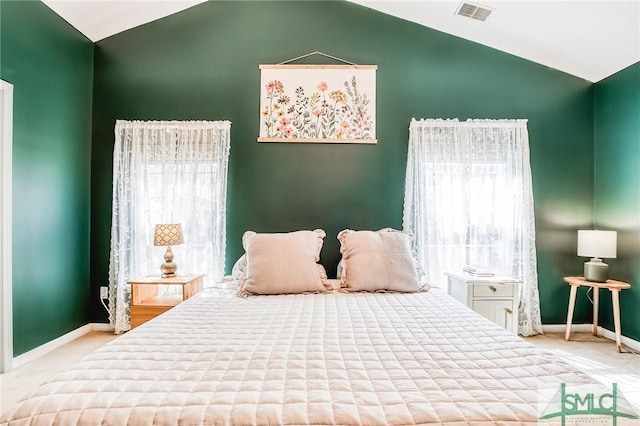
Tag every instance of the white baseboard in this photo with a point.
(633, 344)
(41, 350)
(101, 326)
(562, 328)
(587, 328)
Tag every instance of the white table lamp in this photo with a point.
(597, 244)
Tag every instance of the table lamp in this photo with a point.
(168, 235)
(597, 244)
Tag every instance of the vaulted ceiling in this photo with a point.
(586, 38)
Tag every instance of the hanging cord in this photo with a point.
(316, 53)
(104, 305)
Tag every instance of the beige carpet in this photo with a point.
(19, 383)
(596, 356)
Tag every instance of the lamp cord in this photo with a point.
(105, 306)
(589, 295)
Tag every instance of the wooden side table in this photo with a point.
(613, 286)
(146, 303)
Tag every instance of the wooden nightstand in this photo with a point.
(613, 286)
(147, 304)
(495, 298)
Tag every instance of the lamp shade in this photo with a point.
(597, 244)
(168, 235)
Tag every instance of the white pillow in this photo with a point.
(379, 261)
(240, 267)
(283, 263)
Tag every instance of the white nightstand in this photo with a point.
(495, 298)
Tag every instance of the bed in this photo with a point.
(283, 345)
(322, 359)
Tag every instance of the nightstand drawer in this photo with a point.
(492, 289)
(142, 314)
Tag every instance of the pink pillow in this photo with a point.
(379, 261)
(283, 263)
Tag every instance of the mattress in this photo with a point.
(339, 358)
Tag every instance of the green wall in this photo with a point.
(617, 187)
(203, 64)
(51, 67)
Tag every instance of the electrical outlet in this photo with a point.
(104, 292)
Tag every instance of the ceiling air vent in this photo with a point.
(474, 11)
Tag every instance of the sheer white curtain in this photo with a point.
(469, 200)
(166, 172)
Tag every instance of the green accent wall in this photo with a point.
(50, 65)
(202, 64)
(617, 187)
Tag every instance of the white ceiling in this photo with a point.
(98, 19)
(589, 39)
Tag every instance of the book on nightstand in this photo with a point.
(478, 271)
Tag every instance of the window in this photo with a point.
(468, 200)
(166, 172)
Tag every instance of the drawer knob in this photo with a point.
(493, 289)
(509, 311)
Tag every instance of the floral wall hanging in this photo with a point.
(318, 103)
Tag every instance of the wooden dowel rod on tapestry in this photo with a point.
(308, 67)
(313, 140)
